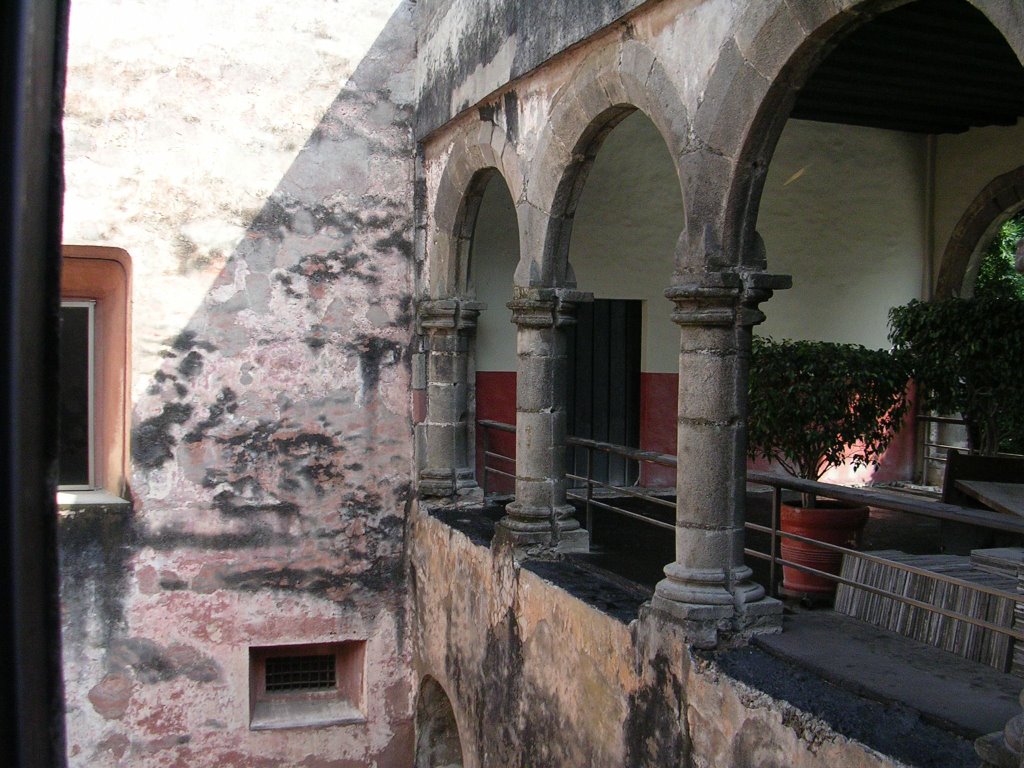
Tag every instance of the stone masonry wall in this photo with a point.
(256, 162)
(538, 677)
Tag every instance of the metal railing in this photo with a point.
(891, 502)
(587, 495)
(508, 462)
(936, 441)
(637, 492)
(596, 494)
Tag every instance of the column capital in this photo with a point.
(454, 313)
(724, 298)
(546, 307)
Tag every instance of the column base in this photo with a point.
(715, 626)
(995, 752)
(701, 624)
(711, 613)
(532, 530)
(449, 483)
(760, 617)
(437, 487)
(466, 487)
(694, 586)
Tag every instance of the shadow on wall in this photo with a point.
(271, 451)
(437, 734)
(285, 396)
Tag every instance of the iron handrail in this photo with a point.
(777, 483)
(498, 425)
(891, 501)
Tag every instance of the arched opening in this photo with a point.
(437, 733)
(996, 273)
(476, 246)
(999, 201)
(625, 227)
(891, 136)
(617, 231)
(855, 179)
(491, 254)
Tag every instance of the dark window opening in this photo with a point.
(76, 394)
(285, 674)
(302, 686)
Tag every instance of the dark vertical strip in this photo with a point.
(631, 396)
(571, 364)
(580, 374)
(604, 364)
(600, 382)
(32, 60)
(617, 386)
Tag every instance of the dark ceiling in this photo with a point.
(933, 66)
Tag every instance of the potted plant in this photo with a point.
(967, 357)
(816, 405)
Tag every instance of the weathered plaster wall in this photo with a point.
(256, 161)
(538, 677)
(468, 48)
(529, 670)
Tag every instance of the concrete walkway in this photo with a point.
(963, 696)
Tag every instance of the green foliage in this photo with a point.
(967, 356)
(815, 405)
(996, 273)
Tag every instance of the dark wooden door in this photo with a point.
(604, 385)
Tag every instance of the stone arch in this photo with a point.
(605, 88)
(748, 99)
(998, 201)
(438, 744)
(480, 152)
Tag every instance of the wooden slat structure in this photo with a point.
(958, 637)
(933, 66)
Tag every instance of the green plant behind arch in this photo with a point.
(996, 273)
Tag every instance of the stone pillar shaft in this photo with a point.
(540, 515)
(708, 581)
(448, 326)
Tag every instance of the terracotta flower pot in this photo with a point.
(832, 522)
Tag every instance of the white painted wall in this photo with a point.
(964, 165)
(626, 226)
(843, 212)
(492, 264)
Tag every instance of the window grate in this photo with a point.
(285, 674)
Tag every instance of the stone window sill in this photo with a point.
(272, 715)
(70, 500)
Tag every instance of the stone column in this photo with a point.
(540, 517)
(448, 326)
(708, 587)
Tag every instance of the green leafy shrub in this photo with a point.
(967, 356)
(814, 405)
(997, 276)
